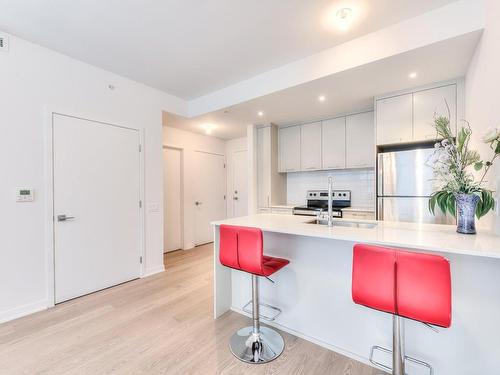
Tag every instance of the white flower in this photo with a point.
(491, 135)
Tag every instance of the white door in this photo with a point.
(172, 199)
(210, 190)
(333, 140)
(97, 186)
(310, 146)
(263, 167)
(395, 119)
(360, 140)
(240, 181)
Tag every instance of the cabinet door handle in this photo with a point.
(309, 168)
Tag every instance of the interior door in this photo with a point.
(209, 187)
(96, 206)
(172, 237)
(240, 184)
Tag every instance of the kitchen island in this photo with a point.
(314, 290)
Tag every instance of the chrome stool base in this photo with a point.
(261, 347)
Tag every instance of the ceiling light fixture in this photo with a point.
(208, 128)
(412, 75)
(260, 113)
(344, 18)
(321, 98)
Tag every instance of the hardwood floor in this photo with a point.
(158, 325)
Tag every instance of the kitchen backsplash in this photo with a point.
(361, 182)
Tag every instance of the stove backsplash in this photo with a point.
(361, 182)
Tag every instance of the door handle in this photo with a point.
(235, 198)
(64, 218)
(197, 203)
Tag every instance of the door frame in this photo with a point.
(49, 196)
(181, 150)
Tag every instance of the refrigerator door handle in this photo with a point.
(380, 177)
(380, 209)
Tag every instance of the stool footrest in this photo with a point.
(248, 309)
(407, 359)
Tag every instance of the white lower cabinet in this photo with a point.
(359, 140)
(358, 215)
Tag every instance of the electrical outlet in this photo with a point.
(4, 43)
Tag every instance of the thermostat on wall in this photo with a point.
(25, 195)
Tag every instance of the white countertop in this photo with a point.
(427, 237)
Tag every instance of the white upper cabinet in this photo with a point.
(310, 146)
(333, 143)
(360, 147)
(430, 103)
(289, 146)
(394, 119)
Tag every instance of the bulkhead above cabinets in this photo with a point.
(339, 143)
(407, 117)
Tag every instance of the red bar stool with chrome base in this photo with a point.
(407, 285)
(241, 248)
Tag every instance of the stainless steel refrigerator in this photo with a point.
(404, 184)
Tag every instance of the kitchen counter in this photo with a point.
(424, 237)
(314, 290)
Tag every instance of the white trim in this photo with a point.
(182, 151)
(314, 340)
(20, 311)
(188, 246)
(153, 271)
(49, 196)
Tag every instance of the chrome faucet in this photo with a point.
(330, 201)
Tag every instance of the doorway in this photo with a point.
(96, 204)
(209, 193)
(172, 185)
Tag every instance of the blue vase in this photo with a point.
(466, 210)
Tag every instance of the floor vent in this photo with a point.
(4, 43)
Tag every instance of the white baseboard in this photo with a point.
(23, 310)
(316, 341)
(188, 246)
(153, 271)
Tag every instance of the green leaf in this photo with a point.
(497, 149)
(432, 203)
(478, 165)
(450, 203)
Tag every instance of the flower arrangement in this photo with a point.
(452, 161)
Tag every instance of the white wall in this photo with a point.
(232, 146)
(190, 143)
(361, 182)
(34, 79)
(481, 96)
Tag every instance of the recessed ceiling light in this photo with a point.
(412, 75)
(344, 18)
(260, 113)
(208, 128)
(321, 98)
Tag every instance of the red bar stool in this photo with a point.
(407, 285)
(241, 248)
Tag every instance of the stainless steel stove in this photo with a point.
(317, 202)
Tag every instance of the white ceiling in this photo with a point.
(345, 92)
(189, 48)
